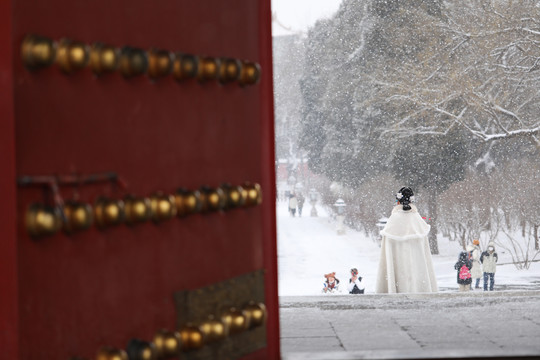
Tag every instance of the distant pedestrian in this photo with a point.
(293, 203)
(489, 263)
(476, 271)
(356, 286)
(463, 267)
(300, 204)
(331, 285)
(405, 265)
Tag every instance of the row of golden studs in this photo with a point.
(42, 220)
(71, 56)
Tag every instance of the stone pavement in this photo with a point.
(476, 324)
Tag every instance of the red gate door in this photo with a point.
(138, 141)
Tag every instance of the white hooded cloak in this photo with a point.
(405, 265)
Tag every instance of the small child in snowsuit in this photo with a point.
(463, 267)
(331, 285)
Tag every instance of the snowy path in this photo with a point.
(309, 247)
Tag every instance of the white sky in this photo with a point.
(299, 15)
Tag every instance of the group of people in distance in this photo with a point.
(473, 263)
(405, 264)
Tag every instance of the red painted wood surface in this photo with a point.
(82, 291)
(9, 304)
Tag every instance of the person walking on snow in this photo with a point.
(293, 203)
(476, 271)
(489, 263)
(300, 204)
(405, 265)
(356, 286)
(463, 267)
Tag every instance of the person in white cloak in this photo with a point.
(405, 265)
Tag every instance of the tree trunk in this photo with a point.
(536, 242)
(432, 209)
(463, 237)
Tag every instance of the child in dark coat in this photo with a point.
(463, 267)
(356, 286)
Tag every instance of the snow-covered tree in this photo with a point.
(503, 205)
(432, 163)
(482, 74)
(458, 80)
(288, 54)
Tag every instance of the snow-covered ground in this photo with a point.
(309, 247)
